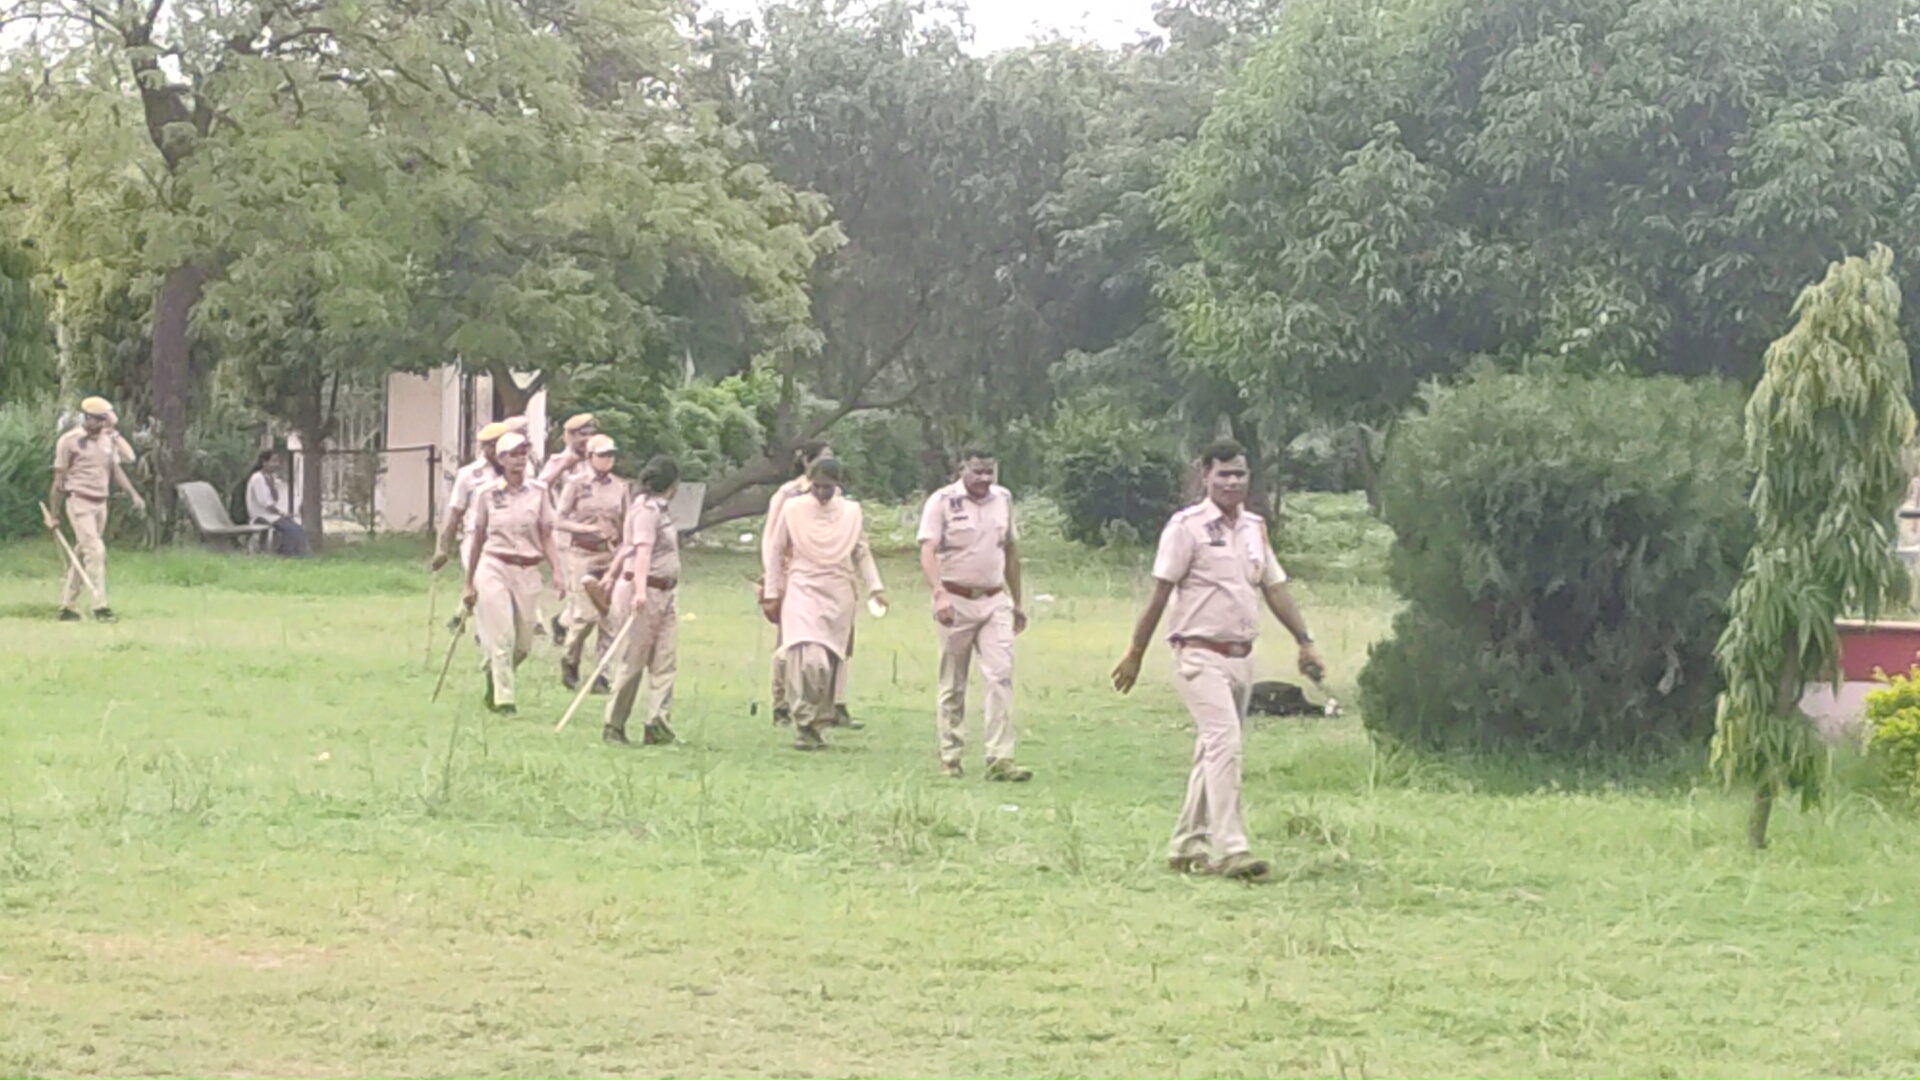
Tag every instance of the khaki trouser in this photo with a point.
(781, 700)
(982, 626)
(89, 520)
(581, 617)
(1215, 690)
(504, 614)
(813, 672)
(652, 649)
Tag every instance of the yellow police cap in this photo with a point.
(510, 442)
(600, 444)
(492, 432)
(516, 423)
(96, 406)
(578, 421)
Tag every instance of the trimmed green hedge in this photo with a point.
(1566, 546)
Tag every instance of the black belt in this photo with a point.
(1233, 650)
(968, 592)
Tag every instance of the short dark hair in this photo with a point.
(977, 453)
(807, 452)
(659, 474)
(827, 467)
(1220, 450)
(261, 461)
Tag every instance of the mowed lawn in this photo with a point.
(238, 840)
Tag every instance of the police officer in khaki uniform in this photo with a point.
(1215, 565)
(571, 461)
(648, 582)
(555, 473)
(85, 460)
(457, 529)
(969, 557)
(513, 535)
(593, 509)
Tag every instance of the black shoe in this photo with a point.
(602, 686)
(782, 716)
(657, 733)
(1005, 769)
(67, 614)
(569, 675)
(1243, 867)
(559, 632)
(844, 719)
(614, 736)
(506, 710)
(104, 614)
(809, 739)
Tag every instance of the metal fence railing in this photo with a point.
(379, 489)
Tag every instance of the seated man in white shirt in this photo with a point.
(270, 503)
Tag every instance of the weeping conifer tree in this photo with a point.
(1825, 428)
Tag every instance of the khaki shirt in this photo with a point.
(469, 479)
(513, 520)
(1218, 569)
(562, 469)
(656, 542)
(595, 500)
(970, 537)
(88, 460)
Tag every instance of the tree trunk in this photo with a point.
(309, 420)
(173, 364)
(1758, 817)
(509, 397)
(934, 470)
(1372, 458)
(1261, 489)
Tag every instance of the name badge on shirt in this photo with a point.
(499, 498)
(1216, 534)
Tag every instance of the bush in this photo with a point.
(1893, 730)
(709, 428)
(1116, 479)
(1566, 547)
(26, 466)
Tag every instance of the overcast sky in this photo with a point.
(1001, 24)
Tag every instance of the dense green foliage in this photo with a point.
(1893, 729)
(1824, 433)
(26, 466)
(26, 333)
(1274, 220)
(1392, 189)
(1565, 567)
(1112, 477)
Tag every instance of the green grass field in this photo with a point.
(238, 840)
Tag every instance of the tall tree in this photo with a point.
(946, 303)
(1392, 189)
(26, 349)
(1112, 243)
(1825, 430)
(555, 172)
